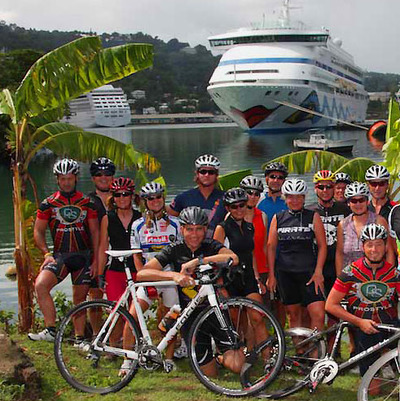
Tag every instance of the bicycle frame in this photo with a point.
(206, 291)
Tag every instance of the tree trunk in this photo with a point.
(24, 271)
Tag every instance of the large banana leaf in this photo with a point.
(7, 103)
(66, 139)
(393, 124)
(230, 180)
(356, 168)
(76, 68)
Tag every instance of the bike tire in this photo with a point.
(264, 357)
(302, 351)
(381, 380)
(88, 370)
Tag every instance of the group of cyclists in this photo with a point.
(299, 260)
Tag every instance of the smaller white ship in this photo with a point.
(103, 107)
(318, 141)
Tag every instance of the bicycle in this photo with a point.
(92, 365)
(304, 370)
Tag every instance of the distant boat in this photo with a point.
(318, 141)
(103, 107)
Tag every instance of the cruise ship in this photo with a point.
(283, 76)
(103, 107)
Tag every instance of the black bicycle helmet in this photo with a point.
(234, 195)
(276, 166)
(102, 164)
(252, 182)
(66, 166)
(193, 215)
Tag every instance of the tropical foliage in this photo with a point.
(38, 102)
(313, 160)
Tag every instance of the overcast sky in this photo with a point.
(369, 28)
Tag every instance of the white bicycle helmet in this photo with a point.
(377, 172)
(373, 231)
(252, 182)
(356, 189)
(207, 161)
(343, 177)
(294, 186)
(151, 188)
(193, 215)
(66, 166)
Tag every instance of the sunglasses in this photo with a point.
(252, 192)
(237, 206)
(375, 184)
(104, 174)
(205, 172)
(151, 198)
(276, 177)
(322, 187)
(124, 194)
(359, 200)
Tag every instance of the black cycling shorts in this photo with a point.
(293, 289)
(76, 263)
(243, 284)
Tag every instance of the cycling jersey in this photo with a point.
(240, 240)
(213, 205)
(154, 238)
(98, 204)
(330, 216)
(67, 216)
(296, 250)
(271, 207)
(385, 209)
(371, 295)
(119, 238)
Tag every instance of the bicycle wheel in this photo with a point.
(302, 351)
(381, 381)
(253, 347)
(83, 367)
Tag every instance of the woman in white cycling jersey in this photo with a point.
(151, 233)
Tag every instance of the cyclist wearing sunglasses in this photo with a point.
(372, 286)
(377, 178)
(295, 263)
(115, 232)
(331, 213)
(72, 220)
(206, 195)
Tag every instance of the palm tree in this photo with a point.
(51, 82)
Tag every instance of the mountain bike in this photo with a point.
(222, 325)
(306, 366)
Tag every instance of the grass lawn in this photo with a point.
(148, 386)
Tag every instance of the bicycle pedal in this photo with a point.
(168, 366)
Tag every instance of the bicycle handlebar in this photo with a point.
(217, 269)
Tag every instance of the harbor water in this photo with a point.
(175, 147)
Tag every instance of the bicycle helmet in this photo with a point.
(373, 231)
(276, 166)
(234, 195)
(207, 161)
(193, 215)
(377, 172)
(252, 182)
(102, 164)
(66, 166)
(294, 186)
(343, 177)
(356, 189)
(122, 184)
(150, 189)
(324, 175)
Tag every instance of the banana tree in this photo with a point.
(51, 82)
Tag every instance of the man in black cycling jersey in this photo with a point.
(184, 256)
(371, 286)
(74, 228)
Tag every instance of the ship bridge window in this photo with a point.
(322, 38)
(253, 72)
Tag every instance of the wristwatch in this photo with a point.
(201, 260)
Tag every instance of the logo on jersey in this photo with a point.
(157, 239)
(374, 291)
(70, 214)
(330, 232)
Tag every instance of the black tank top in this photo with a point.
(120, 239)
(239, 239)
(296, 250)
